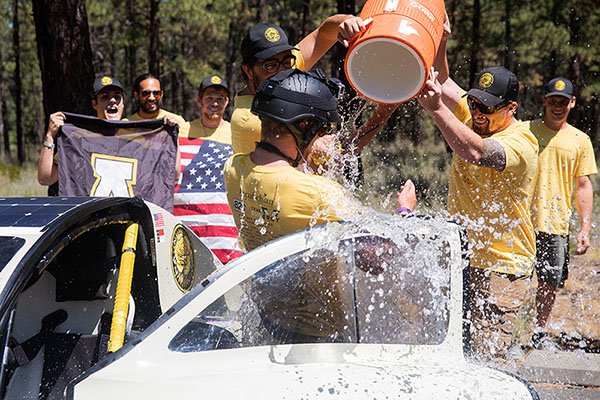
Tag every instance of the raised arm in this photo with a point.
(317, 43)
(47, 169)
(462, 140)
(363, 135)
(450, 90)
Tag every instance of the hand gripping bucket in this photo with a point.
(390, 60)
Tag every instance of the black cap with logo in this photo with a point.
(264, 41)
(559, 87)
(212, 80)
(105, 81)
(495, 86)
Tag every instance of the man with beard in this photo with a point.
(566, 160)
(147, 91)
(212, 100)
(491, 186)
(108, 101)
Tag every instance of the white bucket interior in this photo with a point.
(385, 70)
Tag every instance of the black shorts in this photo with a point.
(552, 258)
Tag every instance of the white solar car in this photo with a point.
(349, 311)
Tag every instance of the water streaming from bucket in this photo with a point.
(389, 61)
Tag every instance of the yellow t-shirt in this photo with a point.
(270, 202)
(245, 126)
(184, 126)
(564, 155)
(494, 205)
(221, 134)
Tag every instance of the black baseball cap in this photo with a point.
(494, 86)
(264, 41)
(106, 81)
(559, 87)
(213, 80)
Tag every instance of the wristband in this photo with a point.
(404, 209)
(49, 145)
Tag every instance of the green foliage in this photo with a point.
(197, 38)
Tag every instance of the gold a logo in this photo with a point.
(559, 85)
(182, 259)
(272, 35)
(216, 80)
(106, 81)
(486, 80)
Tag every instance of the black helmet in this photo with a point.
(293, 96)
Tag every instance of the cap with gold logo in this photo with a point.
(264, 41)
(105, 81)
(559, 87)
(212, 80)
(494, 86)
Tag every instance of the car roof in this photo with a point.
(33, 212)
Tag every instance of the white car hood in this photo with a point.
(280, 372)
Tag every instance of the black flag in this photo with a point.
(102, 158)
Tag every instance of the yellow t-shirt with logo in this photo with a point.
(221, 134)
(184, 126)
(270, 202)
(245, 126)
(564, 155)
(494, 205)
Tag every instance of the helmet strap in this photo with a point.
(272, 149)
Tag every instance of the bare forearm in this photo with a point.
(363, 135)
(584, 198)
(318, 42)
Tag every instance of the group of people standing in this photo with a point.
(511, 182)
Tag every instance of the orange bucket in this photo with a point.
(389, 61)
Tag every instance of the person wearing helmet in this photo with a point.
(268, 196)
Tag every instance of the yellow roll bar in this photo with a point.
(121, 307)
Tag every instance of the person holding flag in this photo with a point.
(200, 199)
(108, 101)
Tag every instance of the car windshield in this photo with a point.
(9, 245)
(367, 289)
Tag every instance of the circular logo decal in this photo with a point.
(216, 80)
(486, 80)
(272, 35)
(559, 85)
(106, 81)
(182, 259)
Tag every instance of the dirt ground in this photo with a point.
(575, 321)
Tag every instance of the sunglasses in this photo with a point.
(274, 65)
(146, 93)
(483, 108)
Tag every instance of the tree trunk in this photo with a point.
(507, 37)
(261, 12)
(232, 66)
(65, 55)
(339, 53)
(4, 144)
(473, 64)
(18, 86)
(576, 115)
(154, 50)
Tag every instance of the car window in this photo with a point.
(9, 245)
(367, 289)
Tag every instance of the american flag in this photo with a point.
(200, 199)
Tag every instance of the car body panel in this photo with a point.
(147, 367)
